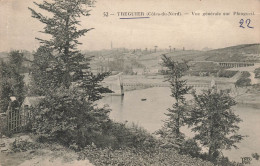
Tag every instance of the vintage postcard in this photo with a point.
(140, 82)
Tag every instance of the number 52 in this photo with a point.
(247, 23)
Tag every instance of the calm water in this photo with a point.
(150, 113)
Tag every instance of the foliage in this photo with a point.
(226, 73)
(119, 135)
(44, 77)
(179, 88)
(214, 122)
(257, 72)
(136, 157)
(245, 74)
(90, 86)
(135, 63)
(119, 64)
(66, 117)
(243, 82)
(3, 124)
(20, 145)
(12, 83)
(255, 156)
(58, 60)
(204, 68)
(61, 73)
(190, 147)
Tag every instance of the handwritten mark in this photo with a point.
(134, 17)
(248, 21)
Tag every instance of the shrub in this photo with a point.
(255, 156)
(190, 147)
(243, 82)
(245, 74)
(3, 124)
(226, 73)
(136, 157)
(67, 118)
(257, 72)
(20, 145)
(119, 135)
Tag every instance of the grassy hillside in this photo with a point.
(239, 53)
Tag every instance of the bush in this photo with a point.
(67, 118)
(20, 145)
(257, 72)
(245, 74)
(226, 73)
(118, 135)
(3, 124)
(190, 147)
(136, 157)
(243, 82)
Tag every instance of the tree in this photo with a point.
(65, 59)
(179, 88)
(58, 62)
(214, 122)
(44, 78)
(61, 74)
(66, 117)
(12, 83)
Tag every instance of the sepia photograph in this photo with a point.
(129, 83)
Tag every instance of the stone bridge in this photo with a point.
(235, 64)
(228, 64)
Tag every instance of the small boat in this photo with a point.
(143, 99)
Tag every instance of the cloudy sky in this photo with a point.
(18, 30)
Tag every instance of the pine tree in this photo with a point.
(65, 60)
(58, 62)
(176, 115)
(61, 74)
(214, 122)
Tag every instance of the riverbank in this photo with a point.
(151, 113)
(23, 150)
(250, 99)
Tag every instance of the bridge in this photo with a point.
(117, 85)
(235, 64)
(136, 84)
(227, 64)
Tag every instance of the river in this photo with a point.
(150, 115)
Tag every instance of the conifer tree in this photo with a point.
(176, 115)
(58, 62)
(64, 32)
(61, 74)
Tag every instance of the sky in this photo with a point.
(18, 29)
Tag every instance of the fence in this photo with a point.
(14, 121)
